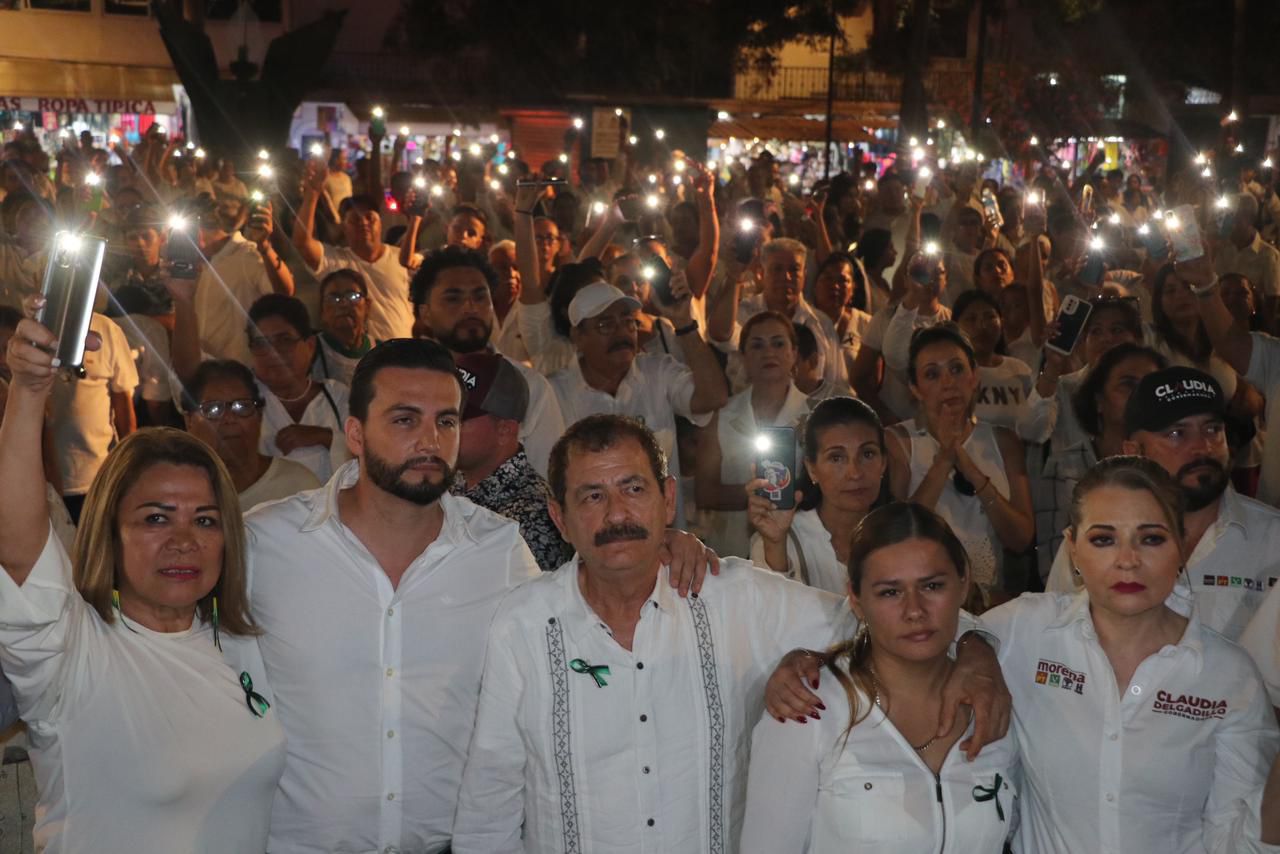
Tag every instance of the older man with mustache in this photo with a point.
(1176, 417)
(610, 378)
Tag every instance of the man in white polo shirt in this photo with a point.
(615, 716)
(1175, 417)
(609, 377)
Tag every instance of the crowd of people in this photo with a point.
(652, 508)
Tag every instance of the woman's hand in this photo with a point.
(688, 560)
(31, 351)
(771, 522)
(789, 692)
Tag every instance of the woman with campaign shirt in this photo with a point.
(146, 731)
(302, 419)
(1004, 383)
(880, 770)
(1141, 730)
(726, 446)
(843, 478)
(970, 473)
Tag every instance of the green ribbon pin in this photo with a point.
(256, 702)
(595, 671)
(982, 794)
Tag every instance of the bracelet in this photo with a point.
(691, 327)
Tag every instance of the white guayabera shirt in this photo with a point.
(1175, 763)
(376, 687)
(594, 748)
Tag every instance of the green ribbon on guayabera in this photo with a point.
(256, 702)
(595, 671)
(982, 794)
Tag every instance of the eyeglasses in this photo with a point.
(213, 410)
(610, 325)
(282, 343)
(352, 297)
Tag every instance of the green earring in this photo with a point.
(214, 620)
(115, 600)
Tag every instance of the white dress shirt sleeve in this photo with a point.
(1037, 419)
(491, 802)
(1261, 639)
(1231, 816)
(543, 423)
(782, 787)
(537, 330)
(1264, 362)
(41, 622)
(678, 382)
(758, 558)
(897, 339)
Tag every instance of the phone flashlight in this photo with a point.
(746, 224)
(1114, 219)
(495, 185)
(598, 208)
(713, 165)
(1201, 159)
(420, 182)
(378, 112)
(115, 140)
(404, 130)
(652, 200)
(577, 123)
(794, 179)
(265, 171)
(1222, 203)
(763, 443)
(263, 154)
(648, 273)
(917, 153)
(677, 180)
(257, 197)
(92, 179)
(1143, 229)
(931, 247)
(868, 185)
(474, 149)
(317, 150)
(1171, 222)
(564, 158)
(679, 166)
(200, 154)
(177, 222)
(653, 179)
(1206, 172)
(1240, 148)
(437, 190)
(1266, 164)
(1033, 198)
(494, 138)
(503, 169)
(660, 134)
(1096, 244)
(70, 243)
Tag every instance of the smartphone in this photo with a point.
(539, 182)
(1184, 233)
(776, 463)
(991, 209)
(1072, 317)
(658, 275)
(181, 253)
(258, 211)
(745, 240)
(924, 175)
(69, 288)
(630, 207)
(1095, 266)
(1154, 241)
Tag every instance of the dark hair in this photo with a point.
(947, 333)
(564, 285)
(1255, 320)
(966, 301)
(977, 262)
(219, 369)
(420, 353)
(834, 412)
(470, 210)
(1127, 306)
(597, 433)
(764, 317)
(359, 201)
(14, 202)
(1198, 350)
(289, 309)
(872, 246)
(806, 342)
(1084, 403)
(885, 526)
(1139, 474)
(10, 317)
(449, 258)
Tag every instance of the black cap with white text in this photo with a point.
(1167, 396)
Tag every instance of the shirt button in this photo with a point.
(866, 786)
(651, 822)
(639, 665)
(644, 718)
(1111, 798)
(1136, 690)
(391, 733)
(391, 849)
(645, 769)
(1113, 736)
(391, 797)
(391, 612)
(391, 671)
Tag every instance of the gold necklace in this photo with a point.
(876, 682)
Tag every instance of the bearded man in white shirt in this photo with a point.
(614, 716)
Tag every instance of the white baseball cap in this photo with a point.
(595, 298)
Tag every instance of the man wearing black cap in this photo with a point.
(493, 470)
(1177, 417)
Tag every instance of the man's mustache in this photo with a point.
(1197, 463)
(621, 533)
(621, 345)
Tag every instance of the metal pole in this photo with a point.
(831, 94)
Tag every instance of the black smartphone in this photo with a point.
(745, 241)
(658, 275)
(1072, 317)
(776, 463)
(1094, 269)
(69, 288)
(182, 253)
(630, 207)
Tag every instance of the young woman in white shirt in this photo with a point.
(143, 738)
(1004, 383)
(843, 478)
(1141, 730)
(874, 774)
(970, 473)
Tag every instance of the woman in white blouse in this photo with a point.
(843, 478)
(303, 418)
(1141, 730)
(970, 473)
(876, 773)
(143, 738)
(1004, 382)
(726, 446)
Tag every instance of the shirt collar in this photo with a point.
(663, 597)
(1231, 511)
(325, 509)
(1077, 614)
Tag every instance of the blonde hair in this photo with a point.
(96, 553)
(1138, 474)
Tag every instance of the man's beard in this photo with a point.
(466, 343)
(1210, 483)
(390, 478)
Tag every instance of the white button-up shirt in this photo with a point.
(815, 789)
(811, 557)
(1173, 762)
(376, 686)
(652, 760)
(1233, 566)
(1259, 262)
(1261, 639)
(231, 282)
